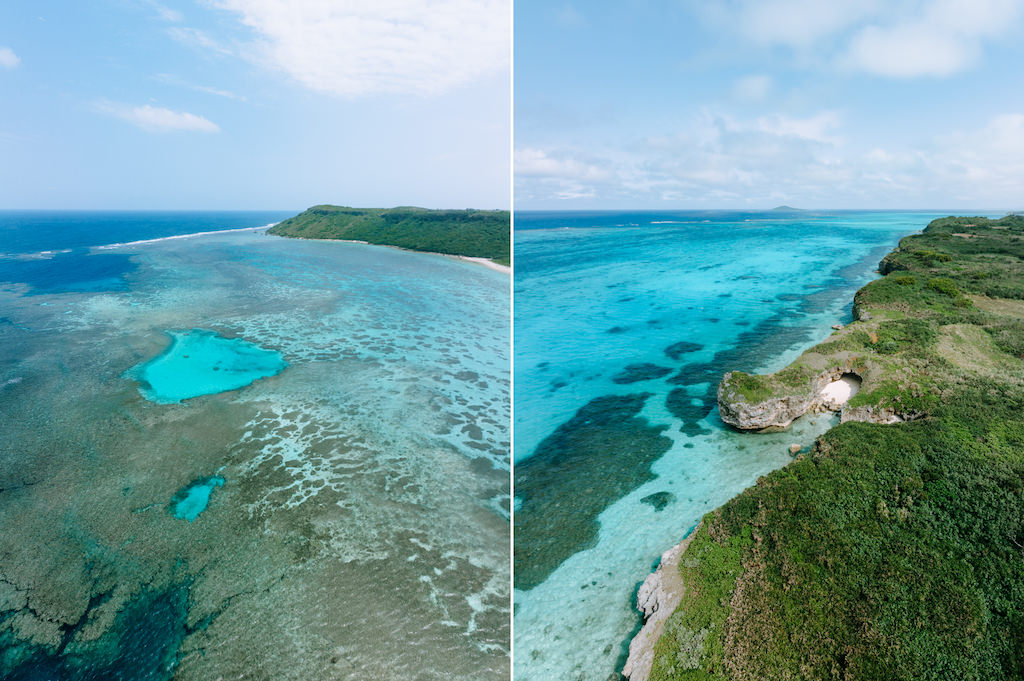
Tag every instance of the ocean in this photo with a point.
(229, 454)
(624, 323)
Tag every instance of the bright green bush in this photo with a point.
(892, 552)
(945, 286)
(475, 233)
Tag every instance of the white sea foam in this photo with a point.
(143, 242)
(39, 255)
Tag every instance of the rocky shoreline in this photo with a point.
(775, 413)
(938, 336)
(778, 413)
(657, 598)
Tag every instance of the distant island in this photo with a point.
(894, 548)
(468, 233)
(787, 209)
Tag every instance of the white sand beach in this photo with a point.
(487, 263)
(838, 393)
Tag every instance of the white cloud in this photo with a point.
(158, 119)
(356, 48)
(987, 163)
(8, 59)
(815, 128)
(165, 12)
(974, 17)
(720, 162)
(910, 50)
(897, 38)
(563, 177)
(175, 80)
(944, 38)
(752, 88)
(535, 162)
(196, 38)
(713, 158)
(799, 22)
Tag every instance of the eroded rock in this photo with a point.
(828, 391)
(657, 598)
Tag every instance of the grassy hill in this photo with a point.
(474, 233)
(890, 551)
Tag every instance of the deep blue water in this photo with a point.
(624, 323)
(56, 251)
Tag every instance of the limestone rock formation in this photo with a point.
(657, 598)
(825, 392)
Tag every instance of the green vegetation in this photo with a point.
(473, 233)
(891, 551)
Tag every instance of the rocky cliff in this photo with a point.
(657, 598)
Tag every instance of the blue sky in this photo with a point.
(254, 104)
(757, 103)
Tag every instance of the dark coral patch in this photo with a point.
(659, 500)
(595, 458)
(640, 372)
(677, 350)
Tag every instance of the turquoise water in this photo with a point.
(624, 324)
(193, 499)
(363, 520)
(201, 362)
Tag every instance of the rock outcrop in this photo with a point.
(875, 415)
(657, 598)
(776, 412)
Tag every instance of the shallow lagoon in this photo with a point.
(618, 458)
(362, 523)
(201, 362)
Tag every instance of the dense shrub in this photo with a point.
(945, 286)
(476, 233)
(892, 552)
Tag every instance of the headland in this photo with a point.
(473, 235)
(895, 548)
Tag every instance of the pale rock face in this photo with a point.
(869, 415)
(775, 413)
(828, 392)
(657, 598)
(648, 593)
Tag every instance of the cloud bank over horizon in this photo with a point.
(755, 103)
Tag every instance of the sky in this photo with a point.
(254, 104)
(704, 104)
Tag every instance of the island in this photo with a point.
(475, 234)
(894, 549)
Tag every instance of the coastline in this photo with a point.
(657, 598)
(486, 262)
(661, 592)
(918, 344)
(712, 470)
